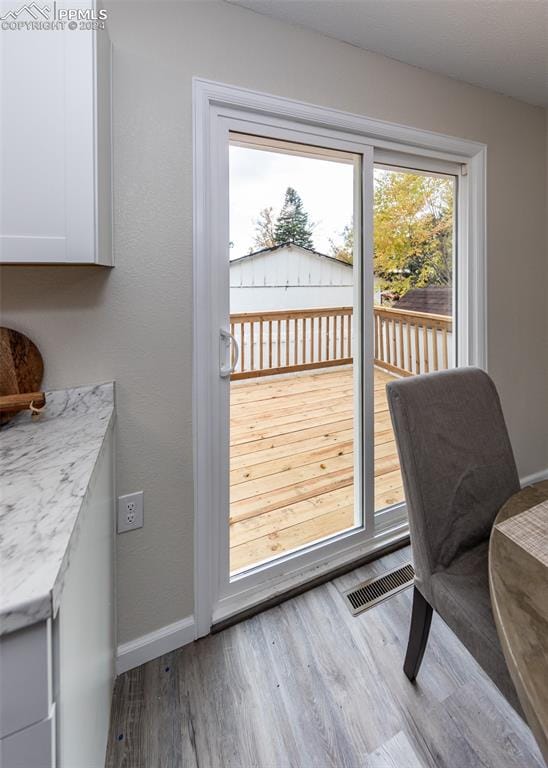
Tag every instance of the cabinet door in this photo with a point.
(47, 158)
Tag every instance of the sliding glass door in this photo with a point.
(414, 263)
(295, 328)
(332, 252)
(325, 267)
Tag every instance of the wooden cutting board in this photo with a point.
(21, 365)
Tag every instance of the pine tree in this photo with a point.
(293, 225)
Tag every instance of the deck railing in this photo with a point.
(282, 341)
(291, 340)
(412, 342)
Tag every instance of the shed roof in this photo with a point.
(434, 299)
(274, 248)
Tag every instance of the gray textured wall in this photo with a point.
(133, 323)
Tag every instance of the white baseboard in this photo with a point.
(148, 647)
(536, 477)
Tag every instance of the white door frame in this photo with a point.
(214, 103)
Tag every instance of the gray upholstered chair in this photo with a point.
(458, 470)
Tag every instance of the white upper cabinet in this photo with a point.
(55, 156)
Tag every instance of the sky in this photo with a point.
(259, 179)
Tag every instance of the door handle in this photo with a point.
(226, 339)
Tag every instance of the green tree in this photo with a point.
(413, 230)
(293, 225)
(264, 229)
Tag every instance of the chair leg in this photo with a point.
(421, 619)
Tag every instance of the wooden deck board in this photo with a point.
(292, 461)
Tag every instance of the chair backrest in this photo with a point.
(456, 458)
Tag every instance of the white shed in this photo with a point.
(289, 276)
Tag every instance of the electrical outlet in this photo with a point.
(130, 512)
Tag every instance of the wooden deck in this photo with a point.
(292, 462)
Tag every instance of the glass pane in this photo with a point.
(294, 395)
(414, 236)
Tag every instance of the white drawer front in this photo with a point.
(33, 747)
(25, 677)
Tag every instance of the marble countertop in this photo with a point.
(46, 469)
